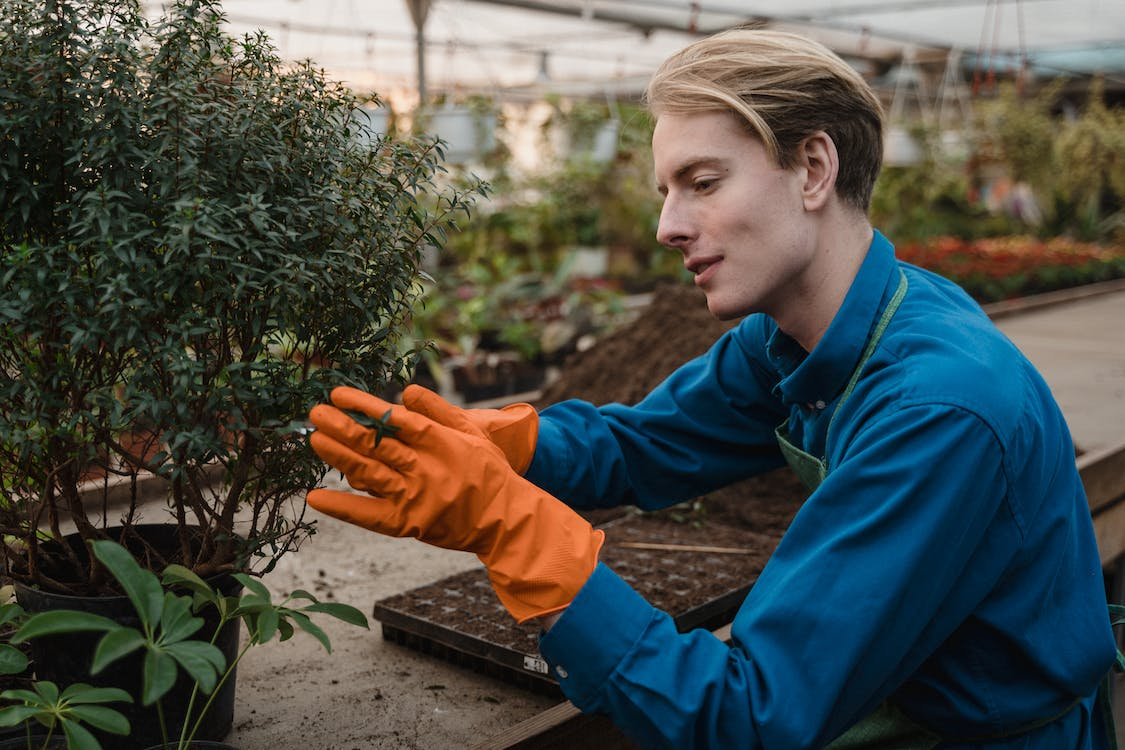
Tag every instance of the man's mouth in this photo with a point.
(699, 267)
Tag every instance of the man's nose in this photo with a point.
(672, 231)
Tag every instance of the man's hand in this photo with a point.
(449, 485)
(514, 429)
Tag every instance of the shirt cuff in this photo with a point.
(581, 650)
(550, 456)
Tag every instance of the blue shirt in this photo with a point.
(947, 562)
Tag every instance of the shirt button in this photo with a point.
(820, 405)
(561, 672)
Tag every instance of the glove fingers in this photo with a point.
(361, 510)
(427, 403)
(379, 474)
(330, 420)
(346, 397)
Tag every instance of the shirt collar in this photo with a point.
(817, 378)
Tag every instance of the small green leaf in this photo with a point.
(101, 717)
(12, 660)
(159, 675)
(178, 575)
(345, 612)
(203, 661)
(141, 586)
(266, 625)
(177, 622)
(12, 716)
(19, 694)
(78, 737)
(81, 692)
(10, 612)
(114, 645)
(307, 625)
(48, 691)
(256, 587)
(60, 621)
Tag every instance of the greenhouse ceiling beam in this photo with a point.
(645, 24)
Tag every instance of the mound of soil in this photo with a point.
(625, 365)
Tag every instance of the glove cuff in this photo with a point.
(516, 432)
(547, 580)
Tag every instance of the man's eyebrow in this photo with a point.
(696, 163)
(691, 165)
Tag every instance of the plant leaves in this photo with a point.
(178, 575)
(265, 625)
(11, 716)
(256, 587)
(159, 675)
(307, 625)
(12, 660)
(10, 612)
(141, 586)
(114, 645)
(60, 621)
(177, 622)
(345, 612)
(101, 717)
(80, 692)
(203, 661)
(78, 737)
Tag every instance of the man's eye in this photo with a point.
(703, 185)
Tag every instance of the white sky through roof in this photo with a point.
(493, 44)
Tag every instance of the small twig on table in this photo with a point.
(685, 548)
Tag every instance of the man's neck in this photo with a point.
(819, 293)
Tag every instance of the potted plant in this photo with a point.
(166, 622)
(196, 244)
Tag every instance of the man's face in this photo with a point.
(737, 218)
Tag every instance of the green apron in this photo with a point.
(887, 728)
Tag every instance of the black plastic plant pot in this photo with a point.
(58, 742)
(66, 659)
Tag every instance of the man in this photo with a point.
(941, 585)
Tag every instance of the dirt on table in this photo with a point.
(628, 363)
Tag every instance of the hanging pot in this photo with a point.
(66, 659)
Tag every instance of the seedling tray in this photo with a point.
(699, 572)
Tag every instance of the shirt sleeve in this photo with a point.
(708, 424)
(883, 561)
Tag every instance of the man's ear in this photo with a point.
(819, 158)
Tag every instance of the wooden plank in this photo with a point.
(1103, 476)
(559, 728)
(1109, 530)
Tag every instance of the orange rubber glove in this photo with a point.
(515, 428)
(451, 488)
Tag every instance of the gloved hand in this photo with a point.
(515, 428)
(450, 486)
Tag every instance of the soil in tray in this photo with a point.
(703, 584)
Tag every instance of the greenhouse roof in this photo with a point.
(491, 45)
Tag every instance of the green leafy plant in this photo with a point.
(169, 624)
(68, 710)
(197, 242)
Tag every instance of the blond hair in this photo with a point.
(786, 88)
